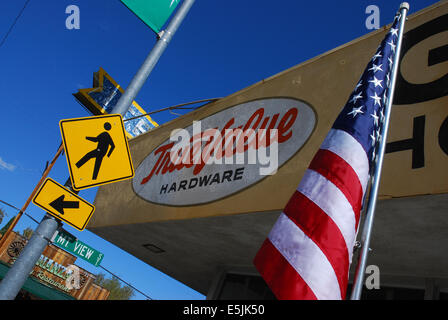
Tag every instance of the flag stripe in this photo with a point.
(332, 201)
(283, 280)
(349, 149)
(320, 228)
(342, 175)
(316, 232)
(306, 258)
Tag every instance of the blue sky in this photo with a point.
(220, 48)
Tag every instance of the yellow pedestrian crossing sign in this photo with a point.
(97, 150)
(63, 204)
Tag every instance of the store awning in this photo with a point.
(37, 288)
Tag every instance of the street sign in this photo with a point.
(69, 243)
(102, 98)
(97, 150)
(63, 204)
(153, 13)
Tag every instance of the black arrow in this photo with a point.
(59, 204)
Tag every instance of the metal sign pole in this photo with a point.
(17, 275)
(367, 229)
(148, 65)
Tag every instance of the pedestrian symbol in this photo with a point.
(97, 150)
(104, 141)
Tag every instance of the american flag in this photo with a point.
(308, 252)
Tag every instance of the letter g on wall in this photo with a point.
(409, 93)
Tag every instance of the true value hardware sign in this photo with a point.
(159, 180)
(69, 243)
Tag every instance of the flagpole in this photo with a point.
(367, 228)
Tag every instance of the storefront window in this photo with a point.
(251, 287)
(244, 287)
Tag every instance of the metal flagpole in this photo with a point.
(142, 74)
(367, 228)
(17, 275)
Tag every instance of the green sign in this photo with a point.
(152, 12)
(78, 248)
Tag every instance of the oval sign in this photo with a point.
(163, 180)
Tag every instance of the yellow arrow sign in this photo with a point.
(63, 204)
(97, 150)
